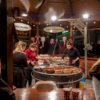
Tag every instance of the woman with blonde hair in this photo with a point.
(19, 62)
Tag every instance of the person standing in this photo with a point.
(31, 41)
(19, 64)
(53, 47)
(44, 49)
(73, 54)
(31, 57)
(97, 49)
(82, 49)
(93, 48)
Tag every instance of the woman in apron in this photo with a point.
(73, 54)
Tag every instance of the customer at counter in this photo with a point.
(31, 57)
(93, 48)
(81, 49)
(44, 49)
(19, 62)
(73, 54)
(31, 41)
(53, 46)
(97, 48)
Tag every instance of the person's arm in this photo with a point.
(64, 54)
(40, 45)
(78, 56)
(27, 54)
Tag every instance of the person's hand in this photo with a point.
(73, 62)
(62, 59)
(28, 61)
(41, 47)
(67, 63)
(32, 63)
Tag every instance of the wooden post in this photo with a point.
(30, 35)
(73, 37)
(71, 29)
(6, 42)
(37, 34)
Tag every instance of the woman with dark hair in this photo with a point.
(31, 57)
(73, 54)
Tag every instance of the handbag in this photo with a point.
(95, 71)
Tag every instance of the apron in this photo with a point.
(18, 76)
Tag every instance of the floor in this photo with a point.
(87, 83)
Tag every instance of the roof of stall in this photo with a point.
(62, 8)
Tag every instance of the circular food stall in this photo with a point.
(58, 75)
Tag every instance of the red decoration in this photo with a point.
(37, 39)
(16, 12)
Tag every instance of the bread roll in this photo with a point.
(58, 71)
(67, 71)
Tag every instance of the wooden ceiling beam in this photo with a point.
(76, 1)
(41, 7)
(69, 6)
(56, 3)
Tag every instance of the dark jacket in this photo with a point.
(19, 62)
(6, 92)
(53, 48)
(97, 49)
(81, 49)
(44, 49)
(73, 53)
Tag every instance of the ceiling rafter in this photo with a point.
(70, 7)
(76, 1)
(41, 7)
(56, 3)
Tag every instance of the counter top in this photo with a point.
(47, 94)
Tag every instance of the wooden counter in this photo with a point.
(47, 94)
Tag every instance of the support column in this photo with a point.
(71, 29)
(6, 41)
(85, 40)
(37, 34)
(30, 35)
(73, 37)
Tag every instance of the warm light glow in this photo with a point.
(52, 95)
(85, 16)
(60, 24)
(22, 27)
(94, 22)
(67, 26)
(51, 31)
(14, 19)
(28, 22)
(53, 18)
(21, 20)
(33, 25)
(24, 15)
(47, 24)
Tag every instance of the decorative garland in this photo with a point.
(37, 39)
(16, 12)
